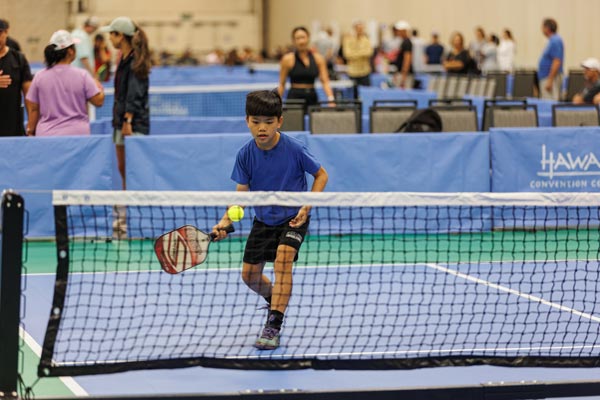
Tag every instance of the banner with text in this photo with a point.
(545, 160)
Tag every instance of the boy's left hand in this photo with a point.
(300, 218)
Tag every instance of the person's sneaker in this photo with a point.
(268, 339)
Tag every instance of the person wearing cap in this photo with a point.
(85, 46)
(404, 58)
(550, 67)
(15, 78)
(357, 50)
(591, 92)
(58, 96)
(131, 112)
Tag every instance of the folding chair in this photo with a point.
(386, 116)
(575, 83)
(514, 116)
(460, 118)
(524, 83)
(344, 117)
(293, 115)
(575, 115)
(487, 104)
(500, 77)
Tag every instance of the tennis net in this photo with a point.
(211, 100)
(383, 280)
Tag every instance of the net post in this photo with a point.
(60, 288)
(10, 291)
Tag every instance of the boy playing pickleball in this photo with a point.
(272, 161)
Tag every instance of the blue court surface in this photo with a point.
(348, 312)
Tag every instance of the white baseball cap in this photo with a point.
(402, 26)
(591, 63)
(123, 25)
(62, 39)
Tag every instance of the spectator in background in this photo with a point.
(58, 97)
(250, 56)
(233, 58)
(489, 60)
(418, 59)
(325, 45)
(591, 92)
(434, 52)
(131, 111)
(458, 60)
(357, 51)
(187, 58)
(11, 42)
(404, 59)
(506, 52)
(302, 67)
(15, 78)
(215, 57)
(476, 46)
(551, 62)
(85, 47)
(102, 58)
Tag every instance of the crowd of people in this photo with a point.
(401, 52)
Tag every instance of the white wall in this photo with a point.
(201, 25)
(172, 25)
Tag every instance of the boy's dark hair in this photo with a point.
(264, 103)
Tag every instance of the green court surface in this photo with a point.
(498, 246)
(44, 387)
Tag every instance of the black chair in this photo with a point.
(524, 83)
(575, 115)
(487, 104)
(575, 83)
(458, 118)
(500, 77)
(293, 115)
(514, 116)
(343, 117)
(386, 116)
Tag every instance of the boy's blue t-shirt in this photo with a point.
(554, 49)
(283, 168)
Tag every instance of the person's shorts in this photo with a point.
(118, 136)
(264, 239)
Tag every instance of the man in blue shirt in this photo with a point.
(272, 161)
(550, 67)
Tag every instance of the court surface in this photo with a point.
(356, 282)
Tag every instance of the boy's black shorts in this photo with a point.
(264, 239)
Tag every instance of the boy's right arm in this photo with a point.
(219, 228)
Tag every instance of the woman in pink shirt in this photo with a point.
(58, 96)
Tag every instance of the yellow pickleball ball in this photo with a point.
(235, 213)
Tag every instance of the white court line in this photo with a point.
(200, 269)
(69, 382)
(507, 289)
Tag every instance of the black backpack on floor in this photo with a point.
(426, 120)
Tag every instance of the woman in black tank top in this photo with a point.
(303, 67)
